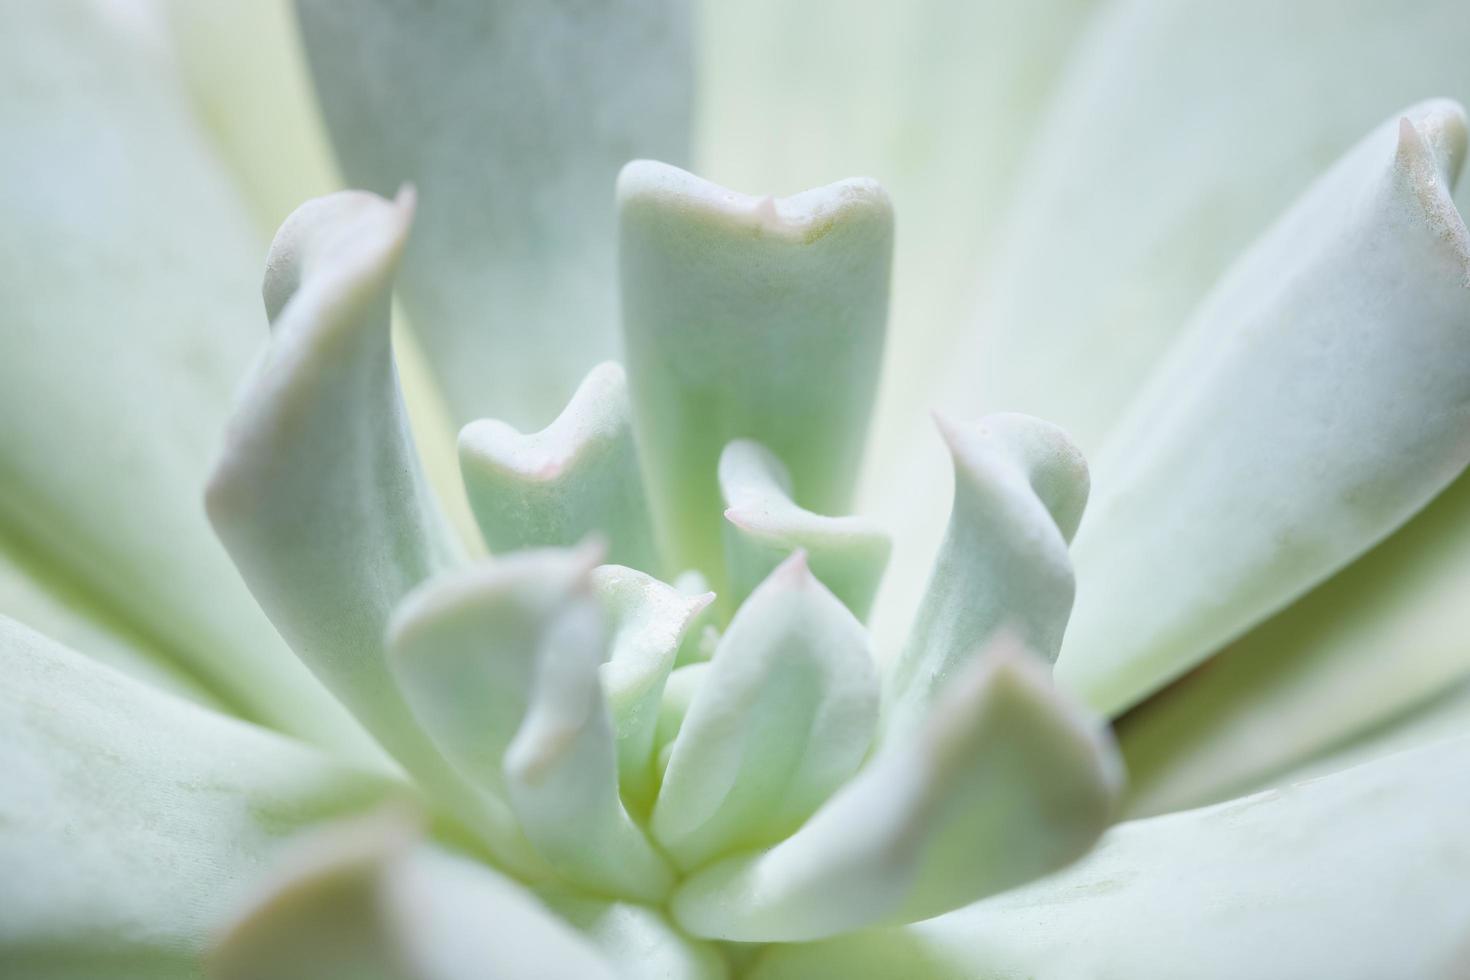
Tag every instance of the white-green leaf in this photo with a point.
(938, 99)
(1377, 641)
(1357, 876)
(318, 493)
(561, 769)
(650, 622)
(783, 716)
(1005, 782)
(130, 819)
(366, 901)
(763, 525)
(577, 476)
(1319, 397)
(512, 119)
(463, 653)
(130, 314)
(1020, 487)
(1181, 129)
(748, 317)
(638, 941)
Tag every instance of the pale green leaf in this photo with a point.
(763, 525)
(318, 493)
(1177, 135)
(463, 650)
(1318, 398)
(1005, 782)
(783, 716)
(131, 818)
(1358, 876)
(1020, 488)
(561, 769)
(1375, 641)
(651, 622)
(638, 941)
(512, 119)
(367, 901)
(130, 316)
(748, 317)
(577, 476)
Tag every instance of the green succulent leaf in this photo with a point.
(1254, 887)
(1381, 639)
(650, 622)
(763, 525)
(748, 317)
(577, 476)
(1005, 782)
(512, 120)
(129, 319)
(131, 817)
(318, 494)
(1317, 400)
(368, 901)
(561, 767)
(1020, 487)
(783, 716)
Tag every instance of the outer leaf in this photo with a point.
(1005, 783)
(1378, 640)
(47, 603)
(1318, 399)
(577, 476)
(783, 717)
(1020, 487)
(132, 818)
(749, 317)
(365, 902)
(764, 525)
(129, 318)
(246, 71)
(318, 494)
(561, 768)
(512, 120)
(1359, 876)
(1109, 249)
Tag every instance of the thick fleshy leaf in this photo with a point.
(512, 120)
(1319, 397)
(1109, 249)
(366, 901)
(1357, 876)
(1004, 783)
(651, 622)
(131, 818)
(1378, 640)
(679, 693)
(318, 494)
(784, 715)
(463, 651)
(638, 941)
(50, 604)
(577, 476)
(246, 72)
(561, 769)
(1020, 487)
(935, 98)
(764, 525)
(748, 317)
(129, 316)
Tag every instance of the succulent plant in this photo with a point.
(602, 700)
